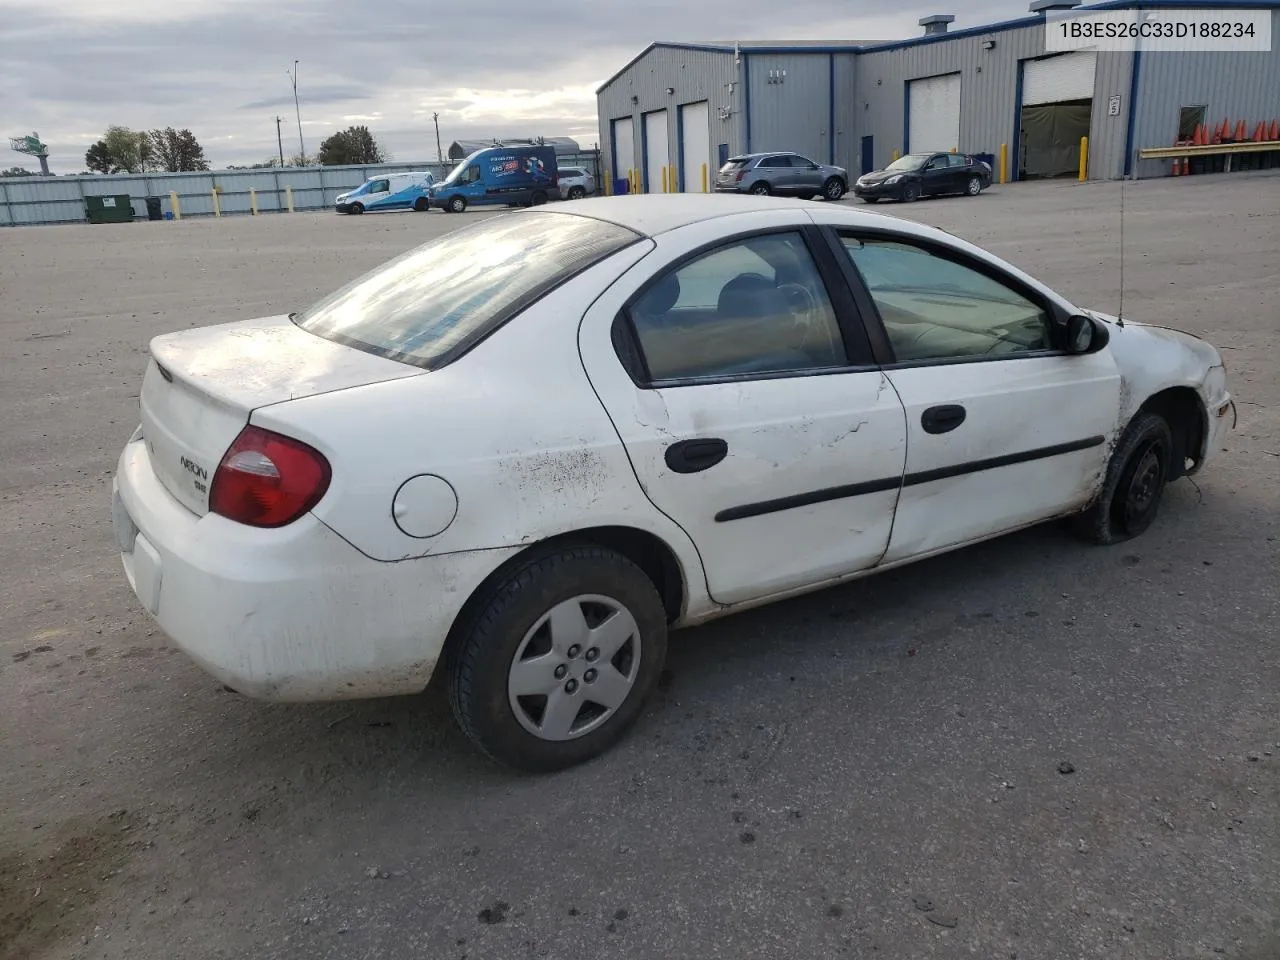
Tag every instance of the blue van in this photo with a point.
(388, 191)
(510, 175)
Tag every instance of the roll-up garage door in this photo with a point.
(1068, 76)
(656, 151)
(933, 113)
(695, 148)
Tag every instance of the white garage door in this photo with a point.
(656, 149)
(934, 121)
(695, 145)
(1068, 76)
(624, 148)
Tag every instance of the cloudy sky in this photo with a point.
(69, 68)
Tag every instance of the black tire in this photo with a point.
(1132, 489)
(870, 199)
(761, 189)
(833, 189)
(807, 195)
(538, 198)
(911, 193)
(577, 193)
(357, 208)
(457, 204)
(490, 638)
(421, 204)
(974, 186)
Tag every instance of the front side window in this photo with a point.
(934, 308)
(380, 186)
(427, 305)
(757, 305)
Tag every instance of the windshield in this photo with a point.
(909, 162)
(429, 305)
(459, 170)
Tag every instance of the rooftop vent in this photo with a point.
(1042, 7)
(936, 23)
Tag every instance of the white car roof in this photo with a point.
(652, 214)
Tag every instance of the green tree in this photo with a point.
(17, 172)
(98, 158)
(177, 150)
(351, 146)
(121, 150)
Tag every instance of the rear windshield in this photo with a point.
(433, 303)
(734, 164)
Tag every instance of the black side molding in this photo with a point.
(910, 480)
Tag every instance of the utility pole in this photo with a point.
(302, 151)
(439, 151)
(280, 140)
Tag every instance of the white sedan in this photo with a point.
(521, 453)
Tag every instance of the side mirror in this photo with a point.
(1085, 335)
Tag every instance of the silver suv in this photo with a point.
(784, 174)
(576, 183)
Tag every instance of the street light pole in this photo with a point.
(280, 140)
(302, 151)
(439, 151)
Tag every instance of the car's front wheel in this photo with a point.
(457, 204)
(911, 193)
(1134, 484)
(558, 657)
(357, 208)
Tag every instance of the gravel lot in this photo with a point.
(872, 771)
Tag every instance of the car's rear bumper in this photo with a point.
(290, 614)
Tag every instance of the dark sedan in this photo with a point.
(925, 175)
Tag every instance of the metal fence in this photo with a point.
(47, 200)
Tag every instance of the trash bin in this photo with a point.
(154, 212)
(110, 209)
(988, 158)
(621, 185)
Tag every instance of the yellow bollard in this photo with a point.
(173, 205)
(253, 201)
(1084, 158)
(954, 150)
(608, 184)
(288, 197)
(1004, 163)
(704, 178)
(664, 179)
(217, 207)
(895, 153)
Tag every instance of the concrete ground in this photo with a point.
(872, 771)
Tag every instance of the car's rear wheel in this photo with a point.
(420, 204)
(833, 189)
(974, 186)
(761, 189)
(870, 199)
(1134, 484)
(457, 204)
(911, 193)
(538, 198)
(557, 657)
(577, 193)
(357, 208)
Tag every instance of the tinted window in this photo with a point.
(736, 164)
(754, 306)
(380, 186)
(803, 162)
(775, 162)
(934, 308)
(444, 295)
(958, 160)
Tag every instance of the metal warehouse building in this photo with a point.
(679, 106)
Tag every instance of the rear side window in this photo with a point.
(433, 303)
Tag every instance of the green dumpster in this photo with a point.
(117, 209)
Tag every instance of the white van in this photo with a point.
(388, 191)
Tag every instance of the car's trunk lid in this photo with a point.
(201, 386)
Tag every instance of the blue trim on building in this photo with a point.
(746, 96)
(906, 117)
(644, 153)
(680, 144)
(1014, 145)
(831, 109)
(1132, 120)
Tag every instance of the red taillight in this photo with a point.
(268, 480)
(741, 174)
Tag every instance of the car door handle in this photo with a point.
(942, 419)
(691, 456)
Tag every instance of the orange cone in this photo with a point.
(1275, 130)
(1200, 137)
(1240, 133)
(1259, 132)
